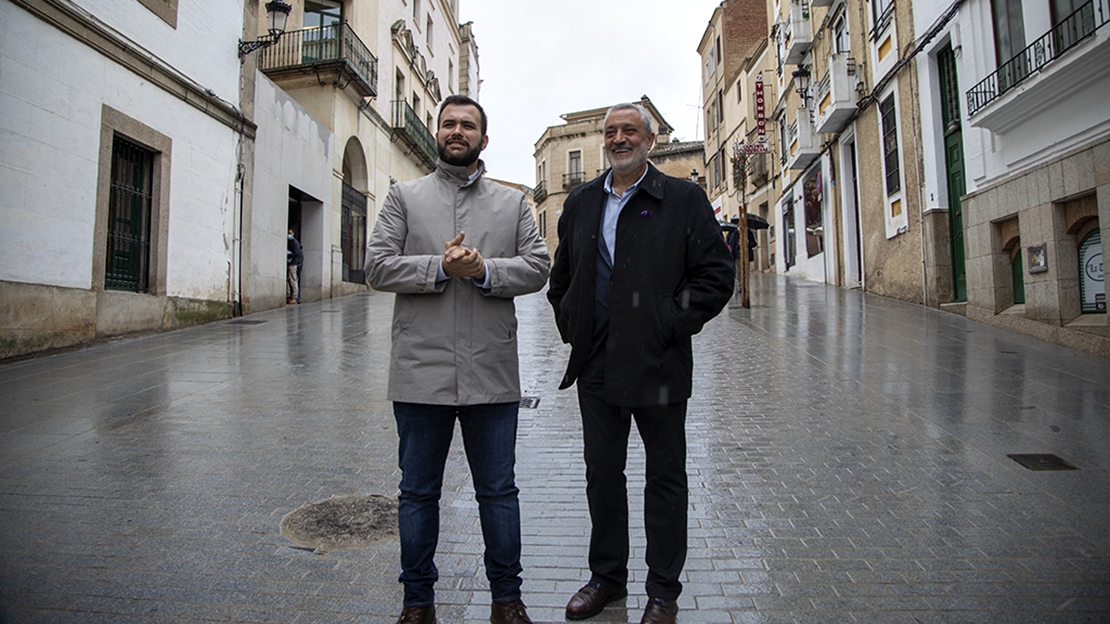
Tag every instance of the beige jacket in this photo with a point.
(453, 342)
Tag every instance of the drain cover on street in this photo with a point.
(529, 402)
(1045, 461)
(342, 523)
(246, 322)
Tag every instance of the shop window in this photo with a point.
(1092, 284)
(815, 229)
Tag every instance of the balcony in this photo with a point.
(1069, 33)
(804, 145)
(408, 128)
(332, 51)
(540, 192)
(835, 96)
(798, 36)
(573, 179)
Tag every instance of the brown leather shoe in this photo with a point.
(418, 615)
(509, 613)
(660, 611)
(591, 599)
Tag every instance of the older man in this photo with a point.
(454, 354)
(640, 268)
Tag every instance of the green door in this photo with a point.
(954, 167)
(1019, 278)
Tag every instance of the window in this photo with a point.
(881, 12)
(1092, 283)
(890, 146)
(399, 87)
(322, 13)
(416, 104)
(353, 235)
(416, 12)
(574, 169)
(574, 164)
(429, 33)
(543, 224)
(841, 36)
(815, 230)
(789, 245)
(450, 76)
(128, 252)
(1009, 41)
(132, 206)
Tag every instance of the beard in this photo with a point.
(463, 159)
(630, 161)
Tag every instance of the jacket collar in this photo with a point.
(652, 183)
(457, 174)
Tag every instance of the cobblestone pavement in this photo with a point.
(848, 463)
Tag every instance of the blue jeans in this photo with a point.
(489, 437)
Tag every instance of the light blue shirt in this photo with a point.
(614, 204)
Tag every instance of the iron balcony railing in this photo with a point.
(1065, 35)
(573, 179)
(312, 47)
(407, 126)
(540, 192)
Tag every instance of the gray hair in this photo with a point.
(639, 108)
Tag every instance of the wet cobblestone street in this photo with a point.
(848, 462)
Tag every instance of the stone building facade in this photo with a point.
(154, 169)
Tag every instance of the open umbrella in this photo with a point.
(755, 222)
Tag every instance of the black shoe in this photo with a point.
(591, 599)
(418, 615)
(512, 612)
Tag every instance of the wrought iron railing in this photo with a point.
(1065, 35)
(540, 192)
(322, 44)
(573, 179)
(407, 124)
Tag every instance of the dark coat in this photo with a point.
(672, 273)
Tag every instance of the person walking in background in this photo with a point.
(454, 353)
(732, 241)
(294, 258)
(641, 266)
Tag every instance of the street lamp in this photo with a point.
(801, 84)
(277, 16)
(694, 176)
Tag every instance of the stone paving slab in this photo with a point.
(847, 464)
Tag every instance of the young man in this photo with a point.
(640, 267)
(454, 354)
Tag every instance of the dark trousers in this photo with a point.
(489, 438)
(605, 431)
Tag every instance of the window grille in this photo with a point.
(129, 207)
(890, 146)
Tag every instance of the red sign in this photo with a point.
(760, 110)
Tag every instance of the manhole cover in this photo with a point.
(529, 402)
(342, 523)
(1042, 462)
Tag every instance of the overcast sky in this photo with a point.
(539, 60)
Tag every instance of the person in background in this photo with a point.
(294, 258)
